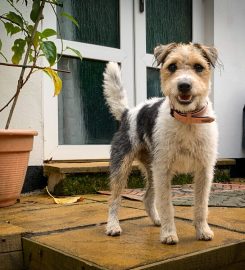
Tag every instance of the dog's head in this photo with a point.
(186, 73)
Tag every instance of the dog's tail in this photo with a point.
(114, 93)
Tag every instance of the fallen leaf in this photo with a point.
(66, 200)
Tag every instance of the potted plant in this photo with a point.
(30, 45)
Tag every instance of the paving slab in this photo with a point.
(137, 248)
(65, 217)
(227, 217)
(231, 218)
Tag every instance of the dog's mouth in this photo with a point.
(185, 99)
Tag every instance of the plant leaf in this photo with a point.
(76, 52)
(30, 29)
(56, 79)
(18, 48)
(50, 51)
(69, 17)
(66, 200)
(35, 10)
(11, 28)
(15, 18)
(1, 44)
(48, 32)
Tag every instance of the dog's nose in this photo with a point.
(184, 87)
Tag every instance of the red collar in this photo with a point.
(194, 117)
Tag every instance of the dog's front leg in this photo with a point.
(203, 179)
(162, 184)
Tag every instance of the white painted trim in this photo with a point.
(198, 8)
(90, 51)
(124, 55)
(140, 52)
(127, 46)
(149, 60)
(50, 103)
(79, 152)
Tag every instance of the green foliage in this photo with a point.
(182, 179)
(222, 174)
(76, 52)
(50, 51)
(15, 18)
(18, 49)
(30, 45)
(75, 184)
(69, 17)
(14, 23)
(35, 10)
(48, 32)
(11, 29)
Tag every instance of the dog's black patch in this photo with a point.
(146, 119)
(120, 145)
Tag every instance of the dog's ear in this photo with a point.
(209, 53)
(162, 51)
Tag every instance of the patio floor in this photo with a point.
(42, 235)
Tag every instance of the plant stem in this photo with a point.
(20, 80)
(31, 66)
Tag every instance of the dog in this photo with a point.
(167, 136)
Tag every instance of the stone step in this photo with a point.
(56, 171)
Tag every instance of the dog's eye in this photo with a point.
(198, 68)
(172, 68)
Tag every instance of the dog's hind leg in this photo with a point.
(149, 197)
(120, 170)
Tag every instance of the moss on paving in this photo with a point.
(92, 182)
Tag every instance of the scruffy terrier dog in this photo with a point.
(171, 135)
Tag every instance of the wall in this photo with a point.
(229, 83)
(28, 113)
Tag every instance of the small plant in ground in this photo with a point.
(31, 45)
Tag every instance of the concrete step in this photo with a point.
(56, 171)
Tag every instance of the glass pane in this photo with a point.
(168, 21)
(153, 83)
(83, 116)
(98, 22)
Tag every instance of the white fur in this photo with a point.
(114, 92)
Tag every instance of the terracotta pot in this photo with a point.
(15, 147)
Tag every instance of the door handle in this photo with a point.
(142, 6)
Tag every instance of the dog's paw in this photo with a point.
(203, 232)
(113, 230)
(171, 239)
(156, 222)
(205, 235)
